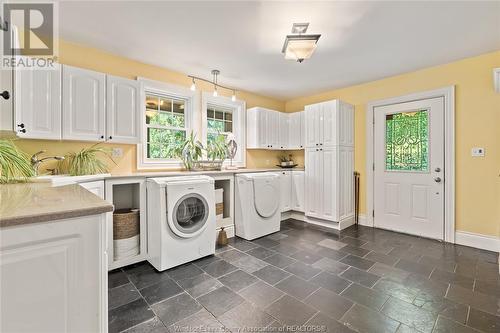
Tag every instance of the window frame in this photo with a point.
(238, 123)
(168, 91)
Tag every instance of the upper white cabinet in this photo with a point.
(284, 125)
(269, 129)
(296, 130)
(38, 103)
(263, 128)
(123, 105)
(273, 129)
(328, 124)
(257, 128)
(329, 161)
(83, 104)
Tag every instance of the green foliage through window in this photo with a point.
(407, 141)
(219, 123)
(166, 126)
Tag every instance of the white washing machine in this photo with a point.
(257, 209)
(181, 220)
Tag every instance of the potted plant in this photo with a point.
(217, 149)
(189, 151)
(85, 162)
(15, 165)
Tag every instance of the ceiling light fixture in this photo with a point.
(299, 46)
(214, 82)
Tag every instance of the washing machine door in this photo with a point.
(266, 196)
(189, 216)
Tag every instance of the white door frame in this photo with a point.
(448, 93)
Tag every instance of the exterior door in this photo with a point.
(409, 175)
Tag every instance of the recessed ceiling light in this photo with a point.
(299, 46)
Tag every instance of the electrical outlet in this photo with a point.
(477, 152)
(117, 152)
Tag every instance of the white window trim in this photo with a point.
(191, 117)
(239, 124)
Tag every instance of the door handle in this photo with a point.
(437, 180)
(437, 169)
(5, 94)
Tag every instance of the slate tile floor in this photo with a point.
(359, 280)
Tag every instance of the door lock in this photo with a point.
(437, 180)
(437, 169)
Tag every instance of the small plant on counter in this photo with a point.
(15, 165)
(189, 151)
(217, 149)
(85, 162)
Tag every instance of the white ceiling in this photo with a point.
(360, 42)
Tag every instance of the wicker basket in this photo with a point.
(125, 233)
(125, 223)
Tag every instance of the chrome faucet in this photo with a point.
(35, 162)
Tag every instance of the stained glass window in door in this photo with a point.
(407, 141)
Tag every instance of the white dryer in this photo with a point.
(257, 209)
(181, 220)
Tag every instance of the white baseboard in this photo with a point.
(362, 221)
(490, 243)
(479, 241)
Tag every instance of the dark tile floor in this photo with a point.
(361, 279)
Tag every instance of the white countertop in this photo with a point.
(66, 179)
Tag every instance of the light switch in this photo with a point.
(117, 152)
(477, 152)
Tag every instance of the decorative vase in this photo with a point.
(222, 238)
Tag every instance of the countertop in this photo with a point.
(149, 174)
(26, 203)
(60, 197)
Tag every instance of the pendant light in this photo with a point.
(215, 82)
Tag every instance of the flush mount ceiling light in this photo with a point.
(299, 46)
(215, 75)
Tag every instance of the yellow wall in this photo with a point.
(477, 124)
(94, 59)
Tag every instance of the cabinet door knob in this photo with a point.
(320, 144)
(110, 137)
(5, 94)
(20, 125)
(102, 137)
(23, 130)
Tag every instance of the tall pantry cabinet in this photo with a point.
(329, 161)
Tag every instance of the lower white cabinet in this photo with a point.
(54, 276)
(292, 191)
(96, 187)
(329, 185)
(285, 190)
(298, 182)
